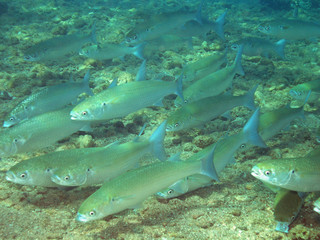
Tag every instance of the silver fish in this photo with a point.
(48, 99)
(38, 132)
(253, 46)
(58, 47)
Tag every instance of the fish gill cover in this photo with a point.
(172, 46)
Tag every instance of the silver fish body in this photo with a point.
(121, 100)
(58, 47)
(48, 99)
(253, 46)
(38, 132)
(291, 29)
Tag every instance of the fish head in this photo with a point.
(33, 56)
(235, 46)
(11, 146)
(132, 39)
(168, 193)
(178, 101)
(69, 177)
(95, 207)
(90, 110)
(79, 113)
(12, 120)
(19, 177)
(178, 120)
(299, 93)
(88, 51)
(267, 28)
(273, 172)
(26, 173)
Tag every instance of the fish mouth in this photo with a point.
(317, 209)
(56, 179)
(255, 171)
(81, 218)
(7, 124)
(10, 176)
(74, 116)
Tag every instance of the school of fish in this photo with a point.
(198, 95)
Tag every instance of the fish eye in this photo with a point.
(243, 146)
(176, 125)
(23, 175)
(12, 119)
(292, 171)
(67, 177)
(234, 46)
(170, 191)
(48, 170)
(104, 104)
(84, 113)
(299, 93)
(92, 213)
(185, 101)
(15, 140)
(267, 173)
(88, 170)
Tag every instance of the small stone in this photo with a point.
(236, 212)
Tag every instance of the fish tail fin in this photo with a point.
(138, 50)
(179, 90)
(156, 141)
(237, 62)
(86, 83)
(198, 16)
(249, 98)
(280, 48)
(93, 36)
(251, 130)
(207, 166)
(141, 75)
(219, 23)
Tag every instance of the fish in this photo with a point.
(58, 47)
(224, 152)
(164, 24)
(271, 123)
(287, 205)
(101, 166)
(195, 28)
(109, 51)
(214, 83)
(317, 205)
(253, 46)
(301, 91)
(121, 100)
(130, 189)
(296, 174)
(291, 29)
(48, 99)
(37, 171)
(39, 132)
(204, 66)
(201, 111)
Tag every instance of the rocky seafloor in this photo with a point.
(238, 207)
